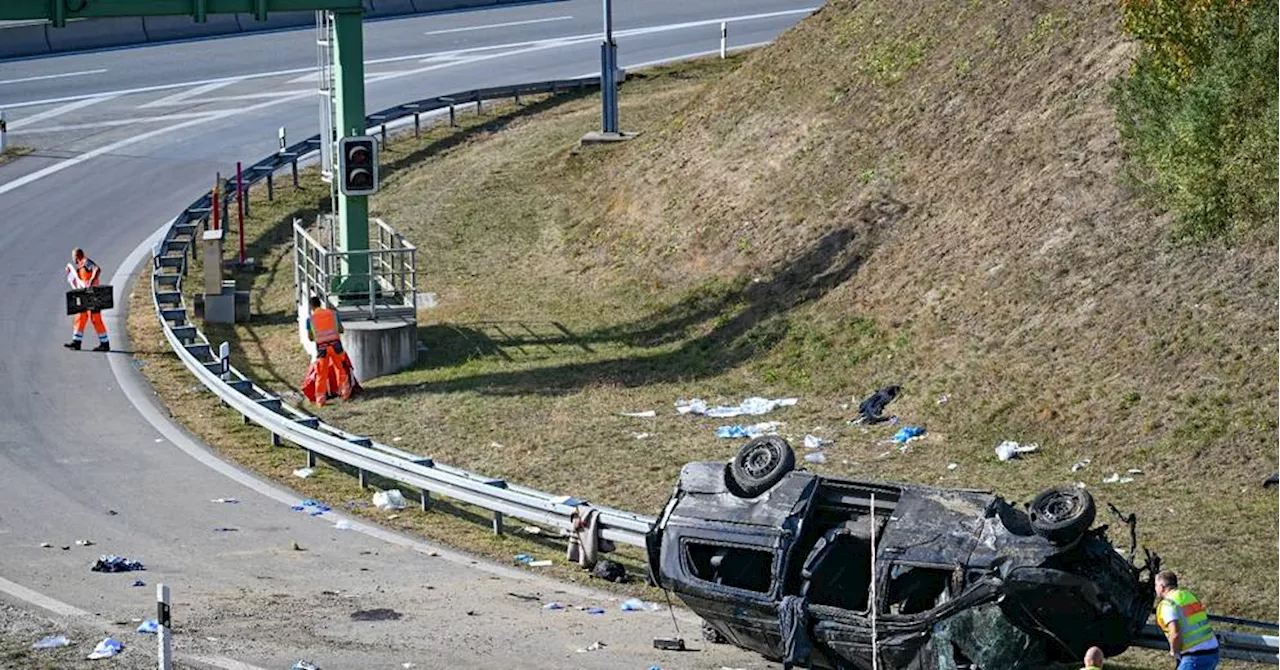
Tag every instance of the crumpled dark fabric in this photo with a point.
(872, 408)
(610, 571)
(793, 619)
(116, 564)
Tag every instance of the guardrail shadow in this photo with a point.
(751, 319)
(450, 344)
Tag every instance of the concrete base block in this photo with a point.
(598, 137)
(97, 33)
(26, 39)
(220, 308)
(161, 28)
(379, 348)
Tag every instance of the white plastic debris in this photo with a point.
(342, 524)
(594, 646)
(1115, 478)
(1080, 465)
(753, 405)
(107, 648)
(545, 563)
(638, 605)
(390, 500)
(952, 466)
(1136, 471)
(815, 442)
(1009, 449)
(52, 642)
(230, 501)
(647, 414)
(553, 606)
(942, 399)
(695, 406)
(304, 472)
(641, 436)
(816, 457)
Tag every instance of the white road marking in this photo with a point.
(183, 96)
(112, 123)
(52, 76)
(42, 601)
(419, 57)
(57, 111)
(231, 98)
(497, 25)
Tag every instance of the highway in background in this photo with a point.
(125, 139)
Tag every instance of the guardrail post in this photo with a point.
(453, 122)
(275, 440)
(271, 187)
(295, 173)
(364, 479)
(724, 37)
(163, 637)
(497, 523)
(426, 500)
(417, 124)
(517, 96)
(479, 104)
(4, 132)
(311, 458)
(384, 134)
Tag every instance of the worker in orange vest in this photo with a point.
(325, 329)
(82, 272)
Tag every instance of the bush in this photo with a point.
(1198, 111)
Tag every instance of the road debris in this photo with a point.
(1081, 464)
(540, 564)
(225, 529)
(638, 605)
(303, 473)
(751, 431)
(1009, 449)
(46, 545)
(815, 442)
(952, 466)
(305, 665)
(593, 610)
(342, 524)
(1115, 478)
(107, 648)
(149, 627)
(1272, 481)
(138, 582)
(51, 642)
(943, 399)
(594, 646)
(753, 406)
(84, 543)
(116, 564)
(641, 436)
(610, 571)
(817, 457)
(553, 606)
(312, 507)
(669, 643)
(524, 558)
(229, 501)
(872, 409)
(647, 414)
(380, 614)
(389, 500)
(908, 434)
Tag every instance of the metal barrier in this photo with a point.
(285, 422)
(1252, 647)
(390, 284)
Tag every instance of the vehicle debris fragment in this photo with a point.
(112, 563)
(779, 561)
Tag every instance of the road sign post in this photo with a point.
(163, 634)
(609, 73)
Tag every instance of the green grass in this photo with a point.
(13, 153)
(966, 237)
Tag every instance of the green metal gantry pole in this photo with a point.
(353, 211)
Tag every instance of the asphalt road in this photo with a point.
(126, 138)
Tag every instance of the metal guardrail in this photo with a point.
(1252, 647)
(285, 422)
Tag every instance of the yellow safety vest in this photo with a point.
(1193, 621)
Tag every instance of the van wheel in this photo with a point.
(760, 464)
(1062, 514)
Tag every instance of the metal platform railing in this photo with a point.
(389, 288)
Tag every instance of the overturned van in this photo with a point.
(810, 570)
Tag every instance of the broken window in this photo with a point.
(915, 589)
(838, 570)
(741, 568)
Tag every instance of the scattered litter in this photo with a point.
(815, 442)
(406, 666)
(46, 545)
(52, 642)
(305, 665)
(112, 512)
(397, 439)
(816, 457)
(641, 436)
(107, 648)
(1136, 471)
(871, 409)
(225, 529)
(524, 558)
(568, 500)
(149, 627)
(610, 571)
(231, 501)
(594, 610)
(316, 508)
(594, 646)
(1081, 464)
(669, 643)
(753, 405)
(523, 596)
(908, 433)
(655, 666)
(1010, 449)
(539, 564)
(531, 530)
(159, 440)
(640, 415)
(342, 524)
(952, 466)
(304, 472)
(943, 399)
(750, 431)
(389, 500)
(1271, 482)
(392, 517)
(1115, 478)
(380, 614)
(638, 605)
(553, 606)
(116, 564)
(138, 582)
(295, 546)
(1080, 485)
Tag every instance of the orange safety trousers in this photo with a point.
(99, 327)
(330, 355)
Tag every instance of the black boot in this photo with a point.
(104, 346)
(73, 344)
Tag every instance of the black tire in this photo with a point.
(710, 634)
(1062, 514)
(760, 464)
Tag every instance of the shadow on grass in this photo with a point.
(737, 322)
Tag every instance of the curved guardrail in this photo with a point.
(286, 422)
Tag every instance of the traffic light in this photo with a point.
(358, 165)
